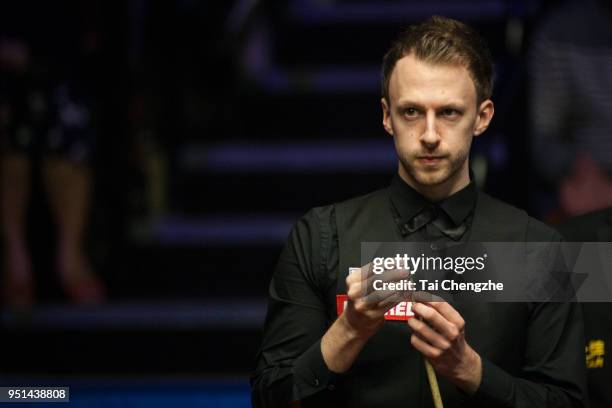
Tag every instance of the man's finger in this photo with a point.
(379, 296)
(391, 275)
(448, 312)
(424, 348)
(425, 297)
(428, 334)
(434, 319)
(366, 271)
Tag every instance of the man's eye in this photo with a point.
(411, 112)
(450, 113)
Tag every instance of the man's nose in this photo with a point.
(430, 136)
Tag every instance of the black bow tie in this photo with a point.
(435, 215)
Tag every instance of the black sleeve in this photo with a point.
(553, 371)
(289, 363)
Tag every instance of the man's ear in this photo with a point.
(386, 116)
(483, 117)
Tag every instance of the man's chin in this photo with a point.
(430, 179)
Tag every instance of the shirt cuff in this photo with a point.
(311, 374)
(496, 386)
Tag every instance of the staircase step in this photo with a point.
(169, 272)
(253, 193)
(310, 157)
(208, 314)
(311, 116)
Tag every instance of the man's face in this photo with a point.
(432, 115)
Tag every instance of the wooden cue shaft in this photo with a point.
(433, 385)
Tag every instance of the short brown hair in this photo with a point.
(441, 40)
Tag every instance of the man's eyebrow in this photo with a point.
(405, 103)
(453, 105)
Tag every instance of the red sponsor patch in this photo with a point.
(401, 311)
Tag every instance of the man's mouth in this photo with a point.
(430, 160)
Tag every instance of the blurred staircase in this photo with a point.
(307, 132)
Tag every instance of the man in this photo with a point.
(436, 97)
(595, 227)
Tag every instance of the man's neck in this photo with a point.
(438, 192)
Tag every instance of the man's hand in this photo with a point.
(362, 317)
(439, 334)
(366, 308)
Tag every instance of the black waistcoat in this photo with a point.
(389, 371)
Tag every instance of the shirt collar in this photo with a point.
(408, 202)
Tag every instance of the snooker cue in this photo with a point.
(433, 385)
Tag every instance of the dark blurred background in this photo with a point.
(155, 155)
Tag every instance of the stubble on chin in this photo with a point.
(422, 176)
(430, 177)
